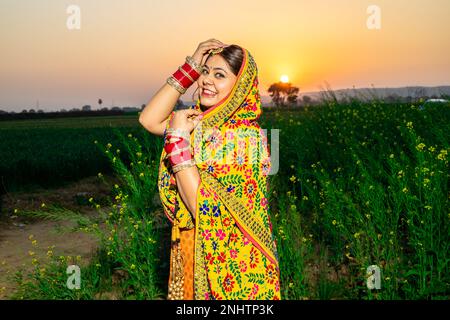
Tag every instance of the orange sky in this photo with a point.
(125, 50)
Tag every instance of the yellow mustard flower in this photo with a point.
(420, 146)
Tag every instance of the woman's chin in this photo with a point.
(207, 102)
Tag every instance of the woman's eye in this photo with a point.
(205, 70)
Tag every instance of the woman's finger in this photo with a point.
(191, 112)
(206, 48)
(213, 40)
(212, 43)
(196, 121)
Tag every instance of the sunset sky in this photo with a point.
(125, 50)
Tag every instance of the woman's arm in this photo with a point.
(154, 118)
(188, 181)
(156, 113)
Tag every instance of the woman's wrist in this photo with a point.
(182, 166)
(185, 75)
(194, 63)
(178, 149)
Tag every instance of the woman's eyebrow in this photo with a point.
(216, 68)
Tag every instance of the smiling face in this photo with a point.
(215, 81)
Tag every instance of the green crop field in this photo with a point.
(359, 184)
(52, 152)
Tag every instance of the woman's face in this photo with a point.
(217, 77)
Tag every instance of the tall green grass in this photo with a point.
(133, 237)
(359, 184)
(371, 184)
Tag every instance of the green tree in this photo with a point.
(283, 94)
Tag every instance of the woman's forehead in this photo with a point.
(217, 61)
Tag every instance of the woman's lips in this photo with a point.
(207, 94)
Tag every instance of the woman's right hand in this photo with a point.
(203, 49)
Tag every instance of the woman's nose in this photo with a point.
(206, 79)
(207, 82)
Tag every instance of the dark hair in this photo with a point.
(234, 56)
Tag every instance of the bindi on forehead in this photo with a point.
(215, 68)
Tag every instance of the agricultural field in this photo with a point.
(360, 185)
(45, 153)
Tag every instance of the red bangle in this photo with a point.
(188, 78)
(180, 157)
(190, 71)
(176, 145)
(178, 151)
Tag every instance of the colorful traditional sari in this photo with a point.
(233, 249)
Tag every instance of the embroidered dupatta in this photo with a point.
(235, 252)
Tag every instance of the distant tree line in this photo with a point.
(286, 96)
(85, 111)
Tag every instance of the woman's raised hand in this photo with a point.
(186, 119)
(203, 49)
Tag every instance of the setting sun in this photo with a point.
(284, 78)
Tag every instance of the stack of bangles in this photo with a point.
(178, 149)
(185, 76)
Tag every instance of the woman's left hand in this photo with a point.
(186, 119)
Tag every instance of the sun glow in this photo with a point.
(284, 78)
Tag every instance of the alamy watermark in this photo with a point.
(374, 277)
(74, 278)
(237, 147)
(73, 21)
(373, 21)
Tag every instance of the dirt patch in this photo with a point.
(17, 233)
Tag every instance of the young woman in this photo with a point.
(213, 178)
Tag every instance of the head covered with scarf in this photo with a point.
(235, 252)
